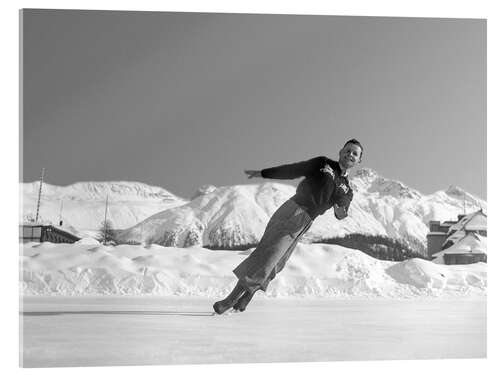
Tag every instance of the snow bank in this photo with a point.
(313, 270)
(87, 241)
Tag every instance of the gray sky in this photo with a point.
(183, 99)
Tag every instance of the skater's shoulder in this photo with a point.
(325, 160)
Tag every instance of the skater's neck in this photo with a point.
(343, 169)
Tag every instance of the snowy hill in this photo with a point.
(222, 217)
(314, 270)
(83, 203)
(236, 215)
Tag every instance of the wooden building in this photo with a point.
(470, 231)
(45, 233)
(437, 236)
(464, 258)
(470, 249)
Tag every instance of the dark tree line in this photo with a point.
(380, 247)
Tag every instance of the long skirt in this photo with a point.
(285, 228)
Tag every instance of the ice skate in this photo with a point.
(242, 303)
(220, 307)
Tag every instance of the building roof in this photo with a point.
(472, 243)
(437, 234)
(473, 221)
(27, 224)
(457, 236)
(66, 231)
(478, 222)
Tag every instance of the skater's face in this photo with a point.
(350, 155)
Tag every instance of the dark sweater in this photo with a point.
(320, 189)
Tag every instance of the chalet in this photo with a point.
(45, 233)
(469, 249)
(442, 236)
(438, 233)
(475, 222)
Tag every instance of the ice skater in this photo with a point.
(325, 186)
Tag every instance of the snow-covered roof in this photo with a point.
(477, 222)
(472, 243)
(459, 234)
(473, 221)
(436, 234)
(459, 224)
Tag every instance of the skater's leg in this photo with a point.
(282, 233)
(245, 299)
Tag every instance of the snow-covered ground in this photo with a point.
(101, 331)
(319, 270)
(86, 304)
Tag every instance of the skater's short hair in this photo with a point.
(354, 141)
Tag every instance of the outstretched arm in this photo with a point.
(295, 170)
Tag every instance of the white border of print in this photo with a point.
(10, 153)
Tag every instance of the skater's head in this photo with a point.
(351, 154)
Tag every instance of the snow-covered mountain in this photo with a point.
(236, 215)
(220, 217)
(82, 205)
(230, 216)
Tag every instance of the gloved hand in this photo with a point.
(340, 211)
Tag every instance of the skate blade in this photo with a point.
(227, 313)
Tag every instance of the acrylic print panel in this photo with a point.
(148, 126)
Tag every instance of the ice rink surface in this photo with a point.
(107, 331)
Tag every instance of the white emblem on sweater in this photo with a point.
(329, 170)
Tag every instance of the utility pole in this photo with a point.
(60, 214)
(39, 195)
(106, 221)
